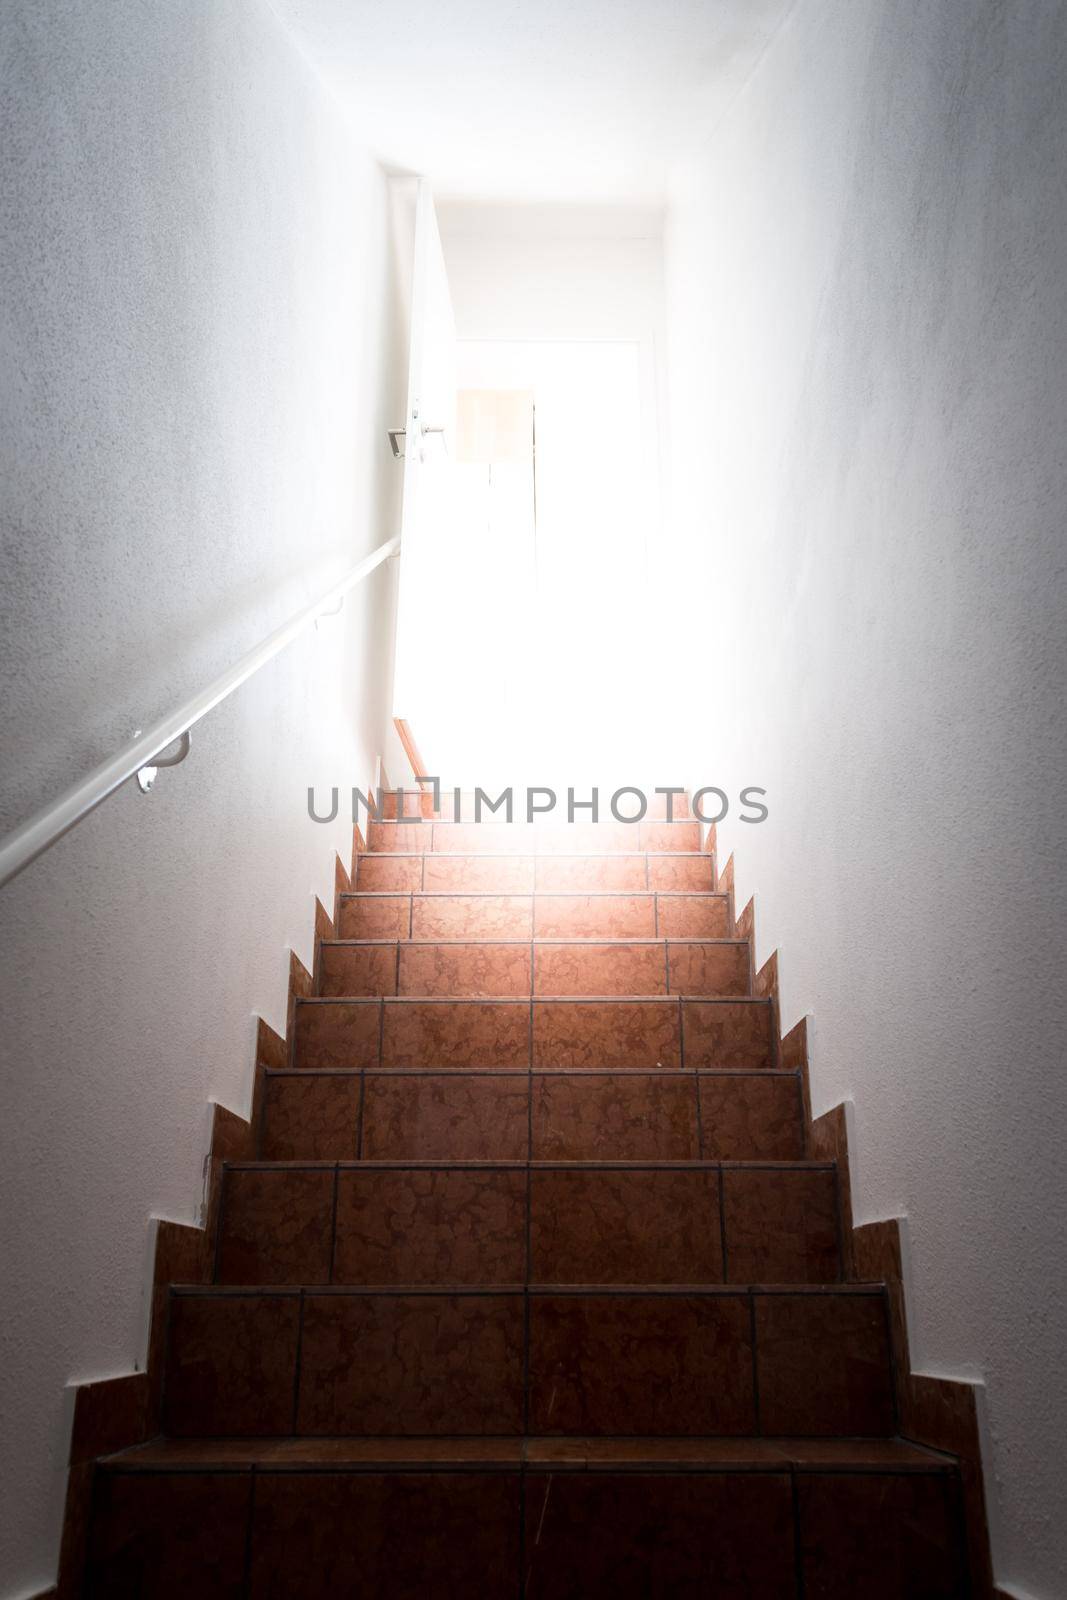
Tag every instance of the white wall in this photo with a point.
(865, 286)
(203, 346)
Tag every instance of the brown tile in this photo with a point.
(614, 1117)
(338, 1454)
(780, 1225)
(231, 1364)
(669, 836)
(311, 1117)
(450, 1535)
(682, 1536)
(823, 1364)
(271, 1049)
(400, 838)
(795, 1046)
(692, 916)
(727, 1033)
(442, 1226)
(479, 874)
(374, 916)
(890, 1455)
(885, 1537)
(616, 969)
(168, 1535)
(485, 1451)
(398, 804)
(765, 982)
(449, 1117)
(276, 1226)
(683, 873)
(572, 873)
(750, 1117)
(594, 916)
(231, 1136)
(456, 1033)
(680, 810)
(587, 838)
(640, 1364)
(110, 1414)
(380, 874)
(471, 916)
(611, 1033)
(411, 1364)
(482, 838)
(337, 1033)
(611, 1226)
(465, 970)
(744, 1453)
(708, 969)
(357, 970)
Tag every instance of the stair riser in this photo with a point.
(410, 1033)
(595, 915)
(478, 1227)
(492, 1363)
(485, 970)
(625, 1534)
(463, 1116)
(518, 838)
(489, 874)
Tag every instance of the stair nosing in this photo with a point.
(393, 1451)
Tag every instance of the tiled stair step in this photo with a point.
(522, 874)
(594, 914)
(575, 1361)
(657, 1115)
(493, 969)
(416, 804)
(528, 1519)
(488, 1224)
(538, 838)
(563, 1032)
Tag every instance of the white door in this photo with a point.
(424, 624)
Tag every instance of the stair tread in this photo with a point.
(524, 999)
(559, 1454)
(546, 939)
(600, 1291)
(538, 1074)
(491, 1164)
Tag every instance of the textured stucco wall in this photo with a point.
(866, 277)
(202, 348)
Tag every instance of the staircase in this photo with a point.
(532, 1288)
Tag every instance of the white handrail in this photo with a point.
(37, 834)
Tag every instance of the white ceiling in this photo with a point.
(526, 100)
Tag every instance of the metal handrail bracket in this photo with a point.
(48, 825)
